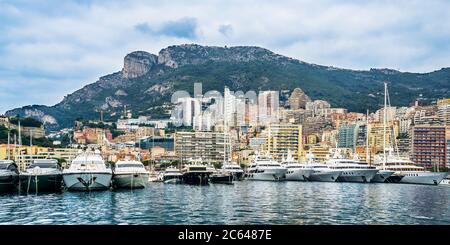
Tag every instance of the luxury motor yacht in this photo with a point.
(264, 167)
(9, 176)
(234, 169)
(221, 177)
(172, 176)
(321, 172)
(87, 172)
(129, 174)
(405, 171)
(43, 175)
(196, 173)
(295, 170)
(352, 170)
(445, 181)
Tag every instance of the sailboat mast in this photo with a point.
(9, 147)
(31, 144)
(367, 138)
(384, 124)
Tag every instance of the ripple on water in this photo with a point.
(244, 202)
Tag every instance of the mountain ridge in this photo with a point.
(146, 81)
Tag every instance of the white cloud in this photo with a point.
(68, 44)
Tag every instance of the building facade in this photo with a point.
(284, 137)
(209, 146)
(430, 146)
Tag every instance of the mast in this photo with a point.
(31, 144)
(384, 125)
(9, 142)
(367, 138)
(20, 144)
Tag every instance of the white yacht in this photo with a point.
(43, 175)
(264, 167)
(352, 170)
(129, 174)
(172, 176)
(405, 171)
(295, 170)
(234, 169)
(87, 172)
(9, 176)
(321, 172)
(445, 182)
(196, 172)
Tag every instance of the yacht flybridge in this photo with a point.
(87, 172)
(264, 167)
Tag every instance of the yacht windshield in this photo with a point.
(130, 165)
(44, 165)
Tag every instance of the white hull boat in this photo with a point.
(324, 175)
(87, 172)
(382, 176)
(423, 178)
(129, 174)
(265, 168)
(87, 181)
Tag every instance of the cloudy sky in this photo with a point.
(51, 48)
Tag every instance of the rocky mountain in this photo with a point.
(146, 82)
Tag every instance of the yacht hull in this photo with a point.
(382, 176)
(360, 176)
(268, 175)
(130, 180)
(87, 181)
(445, 182)
(31, 183)
(8, 183)
(172, 180)
(395, 178)
(221, 179)
(299, 174)
(423, 178)
(237, 176)
(324, 176)
(192, 178)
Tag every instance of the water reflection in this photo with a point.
(243, 203)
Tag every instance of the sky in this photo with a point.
(49, 49)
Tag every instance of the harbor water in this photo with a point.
(245, 202)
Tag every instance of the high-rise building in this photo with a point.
(347, 136)
(376, 135)
(444, 111)
(298, 99)
(429, 145)
(209, 146)
(268, 107)
(284, 137)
